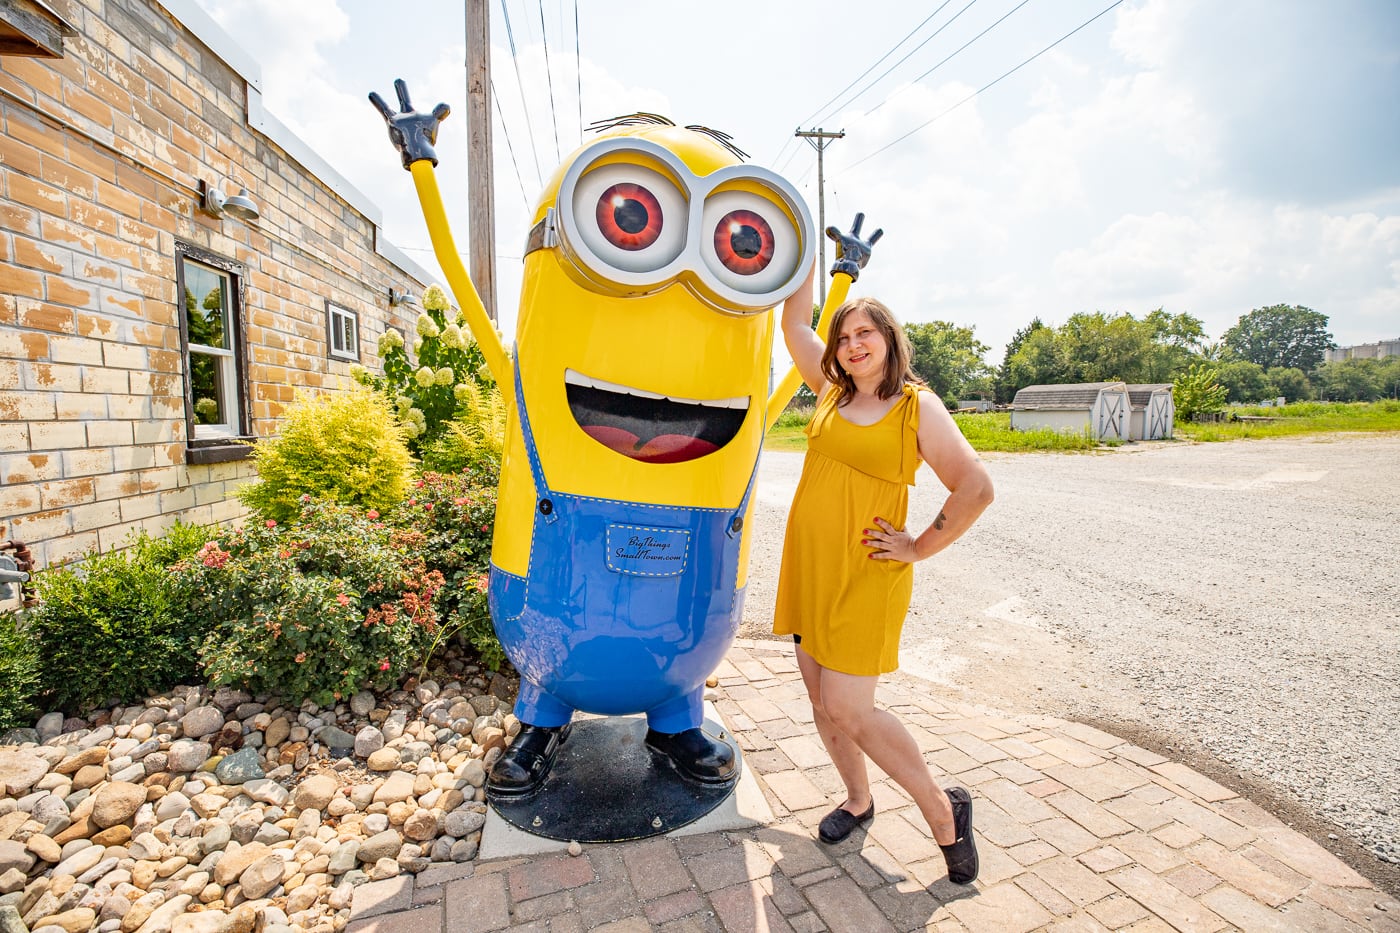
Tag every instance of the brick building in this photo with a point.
(144, 330)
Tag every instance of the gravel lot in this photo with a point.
(1234, 606)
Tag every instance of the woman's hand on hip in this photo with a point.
(889, 543)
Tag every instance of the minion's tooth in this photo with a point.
(576, 378)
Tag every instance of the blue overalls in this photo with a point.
(625, 607)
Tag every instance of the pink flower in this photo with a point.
(383, 665)
(427, 506)
(342, 599)
(461, 501)
(372, 514)
(270, 523)
(413, 501)
(300, 658)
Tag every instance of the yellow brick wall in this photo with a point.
(101, 156)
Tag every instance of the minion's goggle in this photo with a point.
(631, 219)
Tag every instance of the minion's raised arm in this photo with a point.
(414, 135)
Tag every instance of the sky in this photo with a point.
(1192, 155)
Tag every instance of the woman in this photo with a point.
(847, 571)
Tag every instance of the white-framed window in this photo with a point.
(342, 333)
(210, 330)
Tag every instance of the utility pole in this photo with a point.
(819, 139)
(481, 193)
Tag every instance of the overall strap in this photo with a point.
(736, 518)
(545, 504)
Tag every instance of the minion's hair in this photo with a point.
(655, 119)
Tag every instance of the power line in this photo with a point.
(822, 109)
(520, 86)
(549, 76)
(987, 86)
(505, 130)
(945, 61)
(578, 73)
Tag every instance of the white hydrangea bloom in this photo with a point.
(445, 376)
(425, 377)
(427, 327)
(434, 298)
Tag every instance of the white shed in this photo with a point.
(1101, 408)
(1154, 411)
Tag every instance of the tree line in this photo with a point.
(1270, 352)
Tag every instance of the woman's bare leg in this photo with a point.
(845, 754)
(849, 703)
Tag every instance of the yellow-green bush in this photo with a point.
(473, 440)
(347, 447)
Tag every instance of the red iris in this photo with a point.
(629, 216)
(744, 242)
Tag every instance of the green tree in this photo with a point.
(1389, 375)
(1175, 341)
(1243, 381)
(1038, 361)
(1104, 348)
(1281, 335)
(1290, 382)
(1350, 381)
(1005, 384)
(949, 359)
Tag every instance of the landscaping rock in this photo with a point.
(241, 766)
(20, 770)
(116, 803)
(202, 721)
(185, 756)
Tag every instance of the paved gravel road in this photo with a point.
(1235, 605)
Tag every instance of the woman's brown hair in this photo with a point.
(897, 369)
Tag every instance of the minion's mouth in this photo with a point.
(651, 427)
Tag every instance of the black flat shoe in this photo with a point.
(695, 755)
(840, 823)
(961, 856)
(524, 766)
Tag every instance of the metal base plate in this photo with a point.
(607, 786)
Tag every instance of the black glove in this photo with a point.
(852, 253)
(412, 133)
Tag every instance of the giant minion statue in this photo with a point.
(638, 406)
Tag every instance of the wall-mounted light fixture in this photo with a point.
(217, 203)
(397, 298)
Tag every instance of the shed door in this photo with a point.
(1159, 416)
(1113, 416)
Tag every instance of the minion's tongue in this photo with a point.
(664, 448)
(652, 430)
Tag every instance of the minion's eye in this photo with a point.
(630, 217)
(752, 244)
(743, 242)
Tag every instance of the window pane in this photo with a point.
(347, 339)
(207, 381)
(206, 306)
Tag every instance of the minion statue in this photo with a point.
(637, 391)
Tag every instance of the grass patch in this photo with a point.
(1298, 418)
(988, 431)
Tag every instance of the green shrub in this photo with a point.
(318, 609)
(111, 627)
(472, 442)
(19, 673)
(428, 387)
(1197, 393)
(456, 515)
(346, 447)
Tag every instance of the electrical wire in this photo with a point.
(549, 76)
(578, 73)
(505, 131)
(945, 61)
(520, 86)
(985, 86)
(820, 110)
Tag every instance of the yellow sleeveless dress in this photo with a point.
(849, 609)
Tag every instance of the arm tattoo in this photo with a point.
(938, 522)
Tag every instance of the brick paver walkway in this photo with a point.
(1077, 830)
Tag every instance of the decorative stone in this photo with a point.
(368, 741)
(202, 721)
(44, 847)
(116, 803)
(185, 756)
(234, 861)
(268, 792)
(343, 858)
(316, 792)
(14, 855)
(380, 845)
(277, 731)
(261, 877)
(385, 759)
(421, 826)
(20, 770)
(337, 741)
(398, 786)
(361, 703)
(241, 766)
(462, 823)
